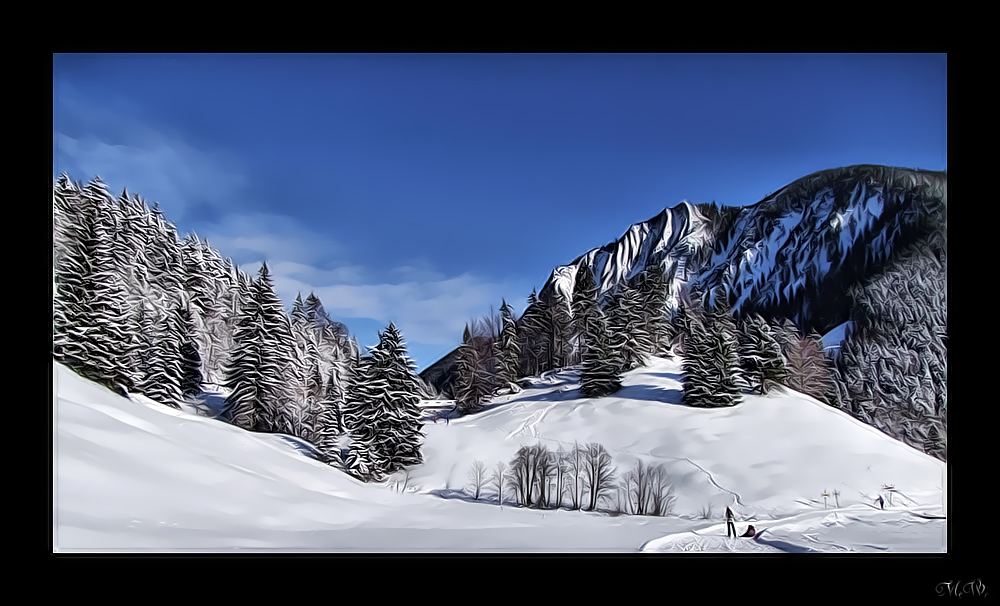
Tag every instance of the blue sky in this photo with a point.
(422, 188)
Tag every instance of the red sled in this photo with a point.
(750, 533)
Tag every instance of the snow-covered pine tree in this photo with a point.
(724, 348)
(243, 370)
(258, 373)
(760, 355)
(472, 386)
(508, 349)
(299, 317)
(698, 377)
(197, 281)
(329, 427)
(163, 383)
(190, 357)
(277, 359)
(654, 289)
(584, 305)
(404, 429)
(625, 323)
(90, 297)
(601, 375)
(560, 327)
(365, 415)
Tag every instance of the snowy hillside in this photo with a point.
(138, 476)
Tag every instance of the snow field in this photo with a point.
(138, 476)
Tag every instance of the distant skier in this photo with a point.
(730, 526)
(881, 503)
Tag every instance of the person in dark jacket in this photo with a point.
(730, 526)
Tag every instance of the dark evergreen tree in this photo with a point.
(508, 348)
(405, 434)
(654, 290)
(628, 329)
(725, 358)
(472, 387)
(698, 377)
(190, 358)
(560, 329)
(363, 412)
(584, 305)
(90, 303)
(243, 373)
(383, 414)
(166, 368)
(760, 355)
(260, 371)
(602, 365)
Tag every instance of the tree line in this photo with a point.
(583, 477)
(140, 310)
(609, 334)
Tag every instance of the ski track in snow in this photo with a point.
(711, 478)
(532, 422)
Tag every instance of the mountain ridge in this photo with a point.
(793, 254)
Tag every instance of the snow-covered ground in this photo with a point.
(136, 476)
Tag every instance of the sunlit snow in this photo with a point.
(136, 476)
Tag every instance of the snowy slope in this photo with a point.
(137, 476)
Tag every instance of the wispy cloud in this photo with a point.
(255, 237)
(428, 305)
(433, 313)
(156, 162)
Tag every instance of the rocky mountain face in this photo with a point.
(795, 254)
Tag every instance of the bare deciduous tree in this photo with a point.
(599, 473)
(574, 470)
(497, 481)
(477, 475)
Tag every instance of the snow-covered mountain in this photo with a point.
(794, 254)
(791, 254)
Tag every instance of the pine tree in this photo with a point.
(760, 355)
(299, 317)
(472, 387)
(537, 320)
(654, 289)
(601, 374)
(625, 322)
(278, 370)
(584, 305)
(190, 358)
(362, 416)
(90, 297)
(243, 372)
(163, 384)
(725, 359)
(383, 413)
(260, 370)
(697, 375)
(508, 349)
(560, 329)
(327, 428)
(405, 426)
